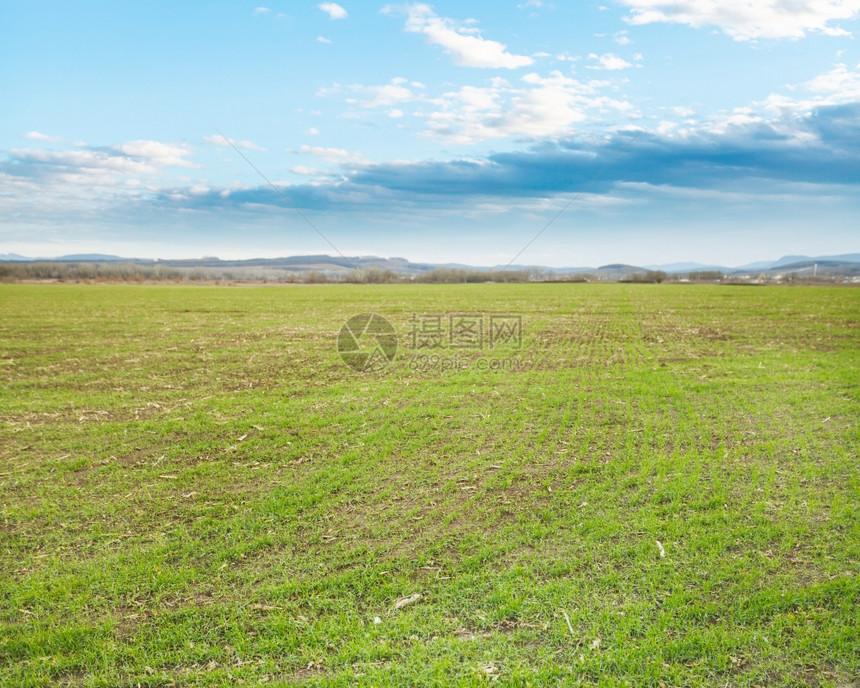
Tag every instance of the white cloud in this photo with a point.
(536, 107)
(39, 136)
(543, 107)
(336, 155)
(838, 86)
(323, 39)
(86, 179)
(683, 111)
(608, 61)
(394, 92)
(157, 153)
(739, 117)
(218, 140)
(261, 10)
(465, 44)
(785, 114)
(745, 20)
(839, 81)
(306, 171)
(83, 163)
(621, 38)
(313, 131)
(333, 10)
(535, 5)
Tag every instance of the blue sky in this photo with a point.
(443, 132)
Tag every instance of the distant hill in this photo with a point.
(792, 260)
(616, 271)
(816, 267)
(685, 267)
(71, 258)
(758, 265)
(847, 264)
(321, 262)
(787, 260)
(844, 257)
(762, 265)
(559, 271)
(89, 257)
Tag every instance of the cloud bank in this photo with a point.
(533, 107)
(744, 20)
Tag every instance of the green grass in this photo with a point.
(194, 490)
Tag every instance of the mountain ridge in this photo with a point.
(325, 262)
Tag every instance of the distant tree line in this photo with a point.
(118, 272)
(467, 276)
(444, 275)
(129, 272)
(705, 276)
(649, 276)
(89, 272)
(148, 272)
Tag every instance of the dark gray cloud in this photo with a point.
(838, 126)
(706, 159)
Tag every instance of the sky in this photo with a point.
(562, 134)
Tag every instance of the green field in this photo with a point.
(195, 490)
